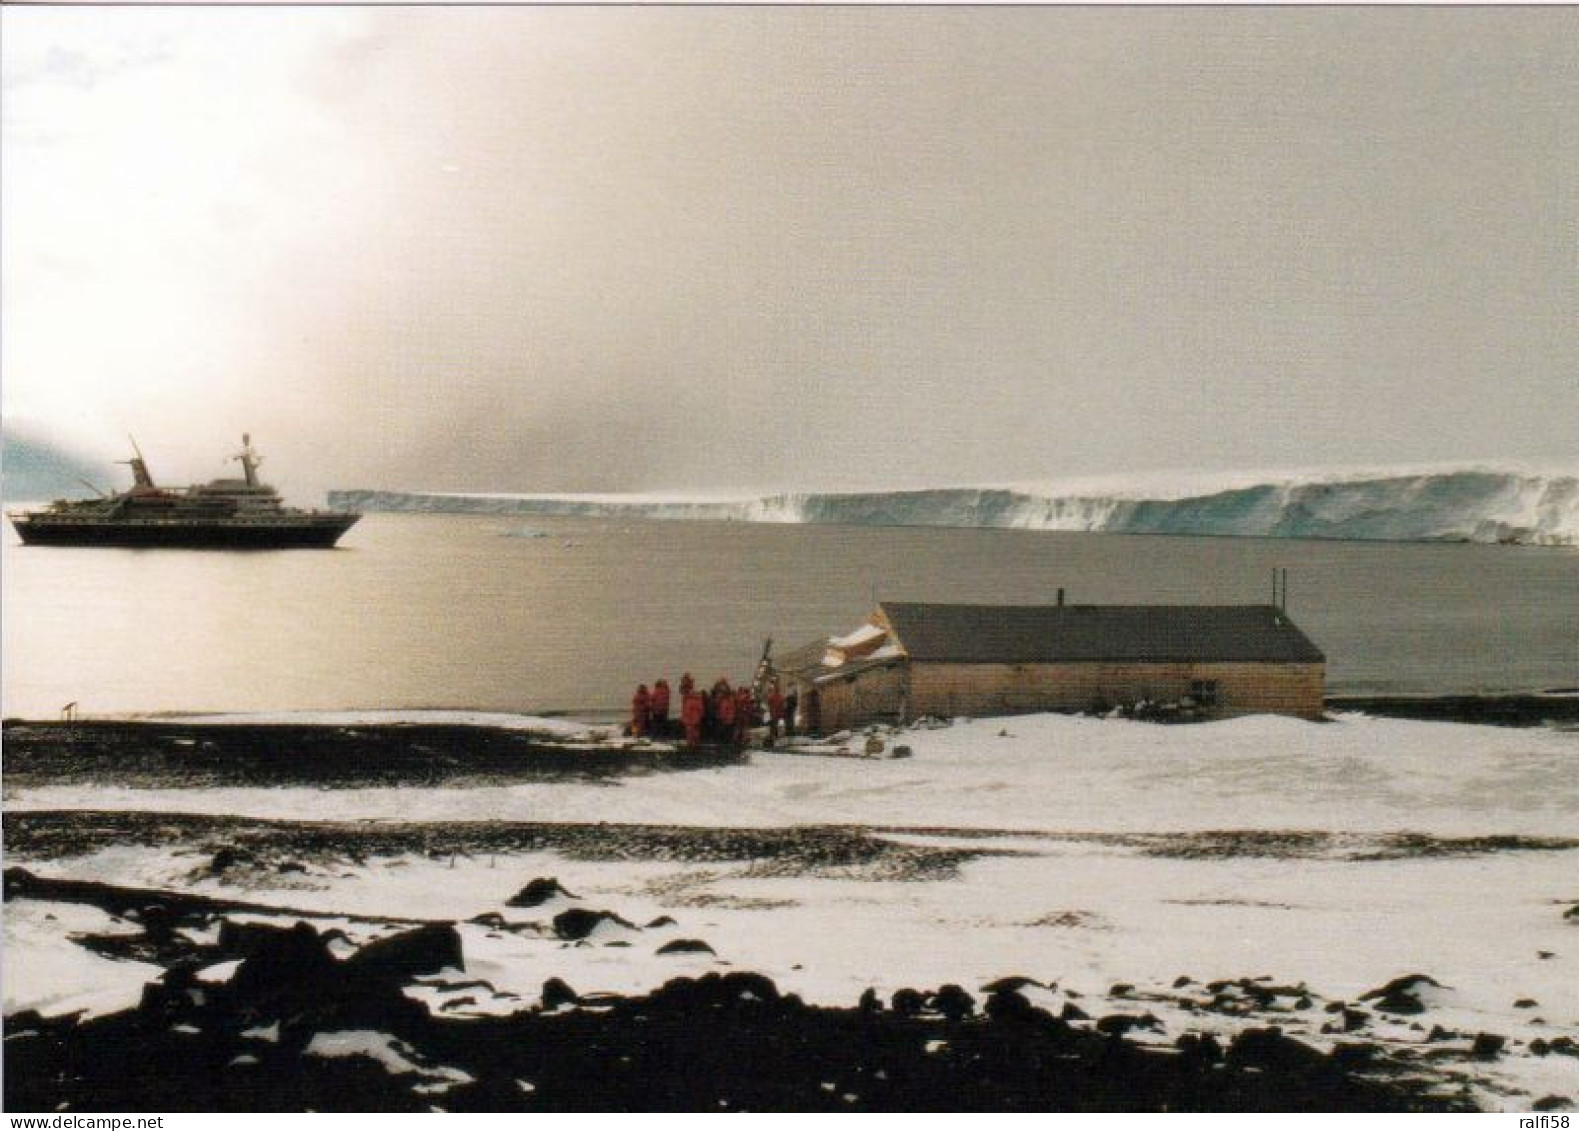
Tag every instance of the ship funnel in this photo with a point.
(139, 466)
(249, 459)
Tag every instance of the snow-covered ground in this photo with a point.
(1075, 881)
(1035, 772)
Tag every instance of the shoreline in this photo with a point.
(562, 729)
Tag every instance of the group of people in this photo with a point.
(723, 715)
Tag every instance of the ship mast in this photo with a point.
(249, 458)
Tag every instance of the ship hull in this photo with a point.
(321, 533)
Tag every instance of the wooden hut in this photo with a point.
(907, 660)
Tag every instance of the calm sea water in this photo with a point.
(454, 611)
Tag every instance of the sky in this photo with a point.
(668, 249)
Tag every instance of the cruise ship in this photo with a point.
(240, 513)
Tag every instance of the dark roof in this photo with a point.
(1018, 634)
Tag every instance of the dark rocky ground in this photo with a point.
(232, 847)
(157, 754)
(724, 1041)
(262, 1035)
(1523, 710)
(235, 846)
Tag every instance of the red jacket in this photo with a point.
(691, 710)
(726, 709)
(660, 700)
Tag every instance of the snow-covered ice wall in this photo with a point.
(1460, 505)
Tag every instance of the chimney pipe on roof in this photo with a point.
(1060, 597)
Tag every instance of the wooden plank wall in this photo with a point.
(994, 689)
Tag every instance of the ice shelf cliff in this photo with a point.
(1461, 505)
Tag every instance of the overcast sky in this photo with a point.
(625, 249)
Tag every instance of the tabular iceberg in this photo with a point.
(1460, 505)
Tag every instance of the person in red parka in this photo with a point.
(724, 708)
(687, 685)
(775, 711)
(715, 727)
(641, 709)
(692, 708)
(746, 714)
(660, 706)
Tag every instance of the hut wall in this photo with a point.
(996, 689)
(876, 695)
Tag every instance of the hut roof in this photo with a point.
(1019, 634)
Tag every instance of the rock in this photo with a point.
(426, 950)
(557, 992)
(1008, 1006)
(1552, 1103)
(1199, 1049)
(228, 857)
(907, 1002)
(870, 1002)
(1543, 954)
(730, 993)
(1354, 1019)
(660, 921)
(18, 882)
(247, 939)
(952, 1002)
(578, 922)
(159, 921)
(1539, 1047)
(1438, 1033)
(1010, 984)
(489, 919)
(1354, 1055)
(1118, 1024)
(291, 974)
(686, 946)
(1401, 995)
(1121, 989)
(1487, 1046)
(902, 752)
(1181, 981)
(1572, 914)
(875, 746)
(538, 892)
(1072, 1012)
(1526, 1003)
(1270, 1049)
